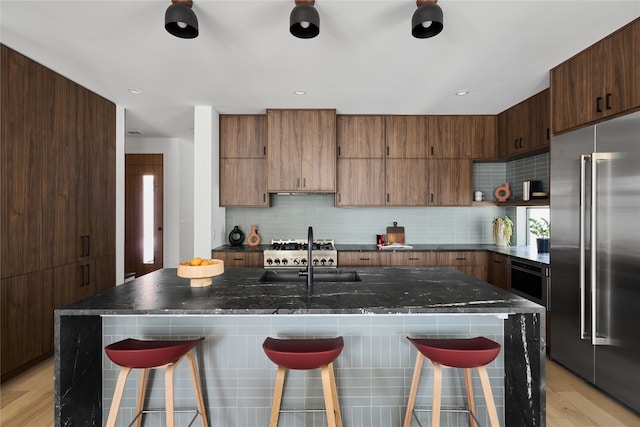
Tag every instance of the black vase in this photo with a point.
(236, 237)
(543, 245)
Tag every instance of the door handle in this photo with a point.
(595, 338)
(608, 101)
(581, 244)
(598, 106)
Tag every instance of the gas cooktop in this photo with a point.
(294, 253)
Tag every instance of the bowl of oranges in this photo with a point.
(200, 271)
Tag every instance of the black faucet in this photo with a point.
(309, 271)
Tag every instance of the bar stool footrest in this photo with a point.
(164, 411)
(456, 409)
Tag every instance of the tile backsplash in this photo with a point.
(290, 215)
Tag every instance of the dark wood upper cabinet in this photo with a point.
(301, 150)
(407, 137)
(360, 164)
(243, 161)
(243, 136)
(599, 82)
(524, 128)
(360, 137)
(462, 137)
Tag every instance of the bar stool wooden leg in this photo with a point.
(437, 394)
(142, 391)
(277, 396)
(488, 396)
(334, 392)
(328, 398)
(471, 404)
(117, 397)
(168, 393)
(415, 382)
(197, 388)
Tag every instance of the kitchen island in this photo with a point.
(239, 310)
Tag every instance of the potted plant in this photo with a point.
(540, 228)
(502, 230)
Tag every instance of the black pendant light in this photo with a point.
(180, 20)
(427, 19)
(304, 21)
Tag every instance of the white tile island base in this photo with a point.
(373, 372)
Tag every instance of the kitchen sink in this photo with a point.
(278, 276)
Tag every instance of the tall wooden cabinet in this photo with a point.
(301, 151)
(243, 161)
(57, 203)
(360, 163)
(599, 82)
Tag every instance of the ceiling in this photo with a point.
(364, 61)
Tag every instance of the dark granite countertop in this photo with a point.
(238, 291)
(524, 252)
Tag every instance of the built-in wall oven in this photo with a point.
(531, 280)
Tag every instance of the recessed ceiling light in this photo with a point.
(299, 92)
(462, 92)
(135, 91)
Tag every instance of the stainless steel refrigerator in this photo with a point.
(595, 255)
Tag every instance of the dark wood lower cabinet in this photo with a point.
(241, 259)
(499, 270)
(28, 303)
(26, 321)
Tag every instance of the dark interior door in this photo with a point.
(143, 240)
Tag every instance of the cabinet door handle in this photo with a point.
(297, 182)
(304, 182)
(264, 197)
(264, 150)
(238, 259)
(413, 259)
(364, 259)
(387, 197)
(520, 145)
(598, 106)
(387, 150)
(339, 151)
(608, 101)
(432, 152)
(339, 198)
(88, 253)
(497, 262)
(88, 282)
(461, 259)
(548, 134)
(431, 198)
(515, 143)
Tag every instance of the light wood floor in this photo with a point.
(27, 401)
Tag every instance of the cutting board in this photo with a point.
(395, 234)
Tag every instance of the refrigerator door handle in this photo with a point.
(582, 247)
(595, 339)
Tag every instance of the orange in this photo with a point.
(195, 261)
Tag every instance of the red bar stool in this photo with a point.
(306, 354)
(454, 353)
(136, 354)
